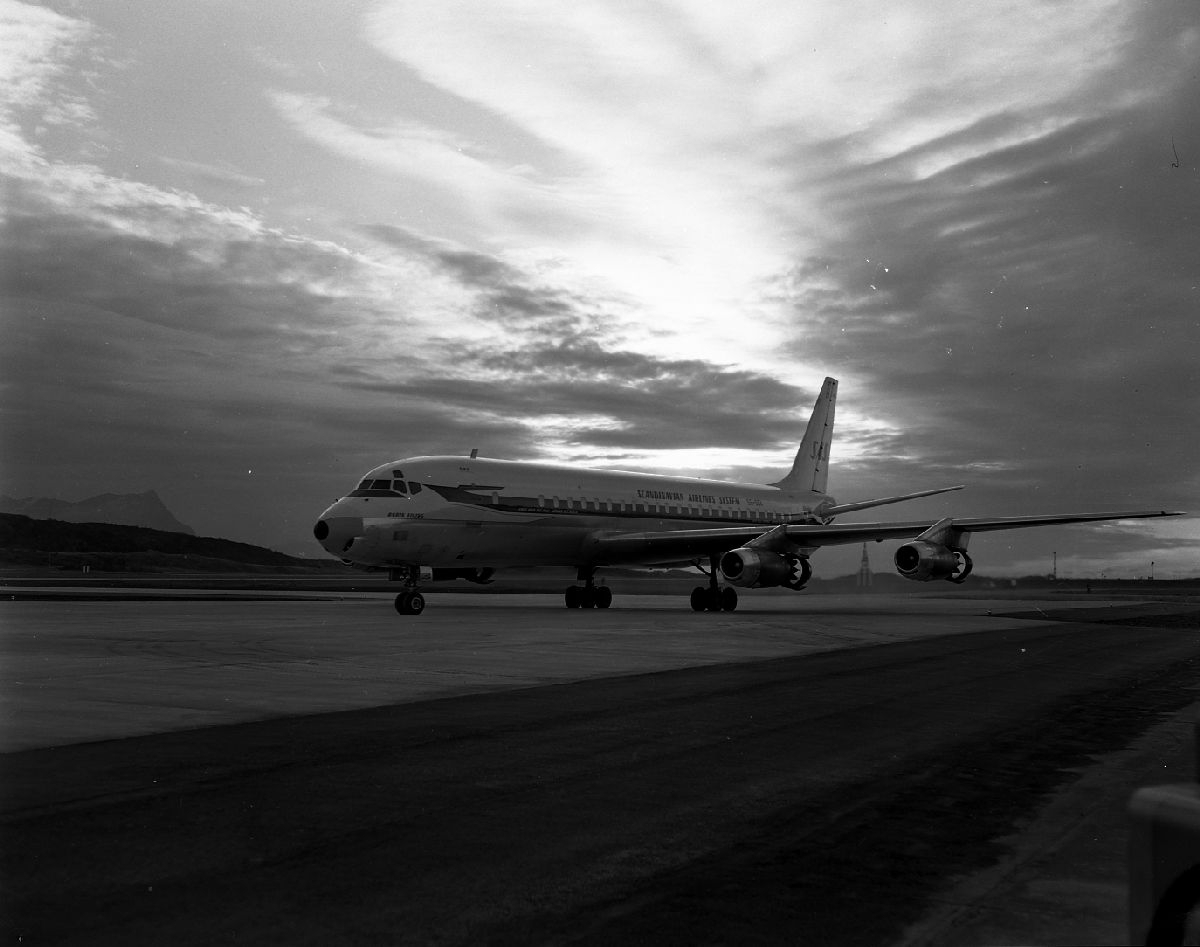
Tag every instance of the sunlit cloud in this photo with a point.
(626, 235)
(433, 156)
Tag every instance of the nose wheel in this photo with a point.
(410, 602)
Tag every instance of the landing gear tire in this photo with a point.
(410, 603)
(705, 599)
(581, 596)
(588, 596)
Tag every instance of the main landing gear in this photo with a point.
(410, 601)
(588, 595)
(713, 598)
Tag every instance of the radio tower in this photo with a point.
(864, 571)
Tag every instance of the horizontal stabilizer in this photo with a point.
(840, 508)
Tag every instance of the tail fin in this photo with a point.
(810, 471)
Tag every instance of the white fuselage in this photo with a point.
(472, 512)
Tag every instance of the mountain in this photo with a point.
(124, 509)
(108, 547)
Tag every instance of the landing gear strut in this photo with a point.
(713, 598)
(410, 601)
(588, 595)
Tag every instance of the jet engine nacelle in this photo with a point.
(923, 562)
(758, 569)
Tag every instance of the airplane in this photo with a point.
(446, 517)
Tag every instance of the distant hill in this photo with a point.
(114, 548)
(127, 509)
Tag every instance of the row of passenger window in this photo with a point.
(594, 506)
(601, 506)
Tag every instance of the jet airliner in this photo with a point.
(446, 517)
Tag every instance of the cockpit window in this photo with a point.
(413, 487)
(375, 487)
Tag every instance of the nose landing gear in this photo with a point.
(410, 601)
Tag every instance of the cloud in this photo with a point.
(1028, 278)
(707, 141)
(213, 173)
(503, 284)
(179, 345)
(462, 168)
(557, 356)
(155, 333)
(626, 235)
(634, 401)
(35, 46)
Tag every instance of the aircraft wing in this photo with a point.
(605, 547)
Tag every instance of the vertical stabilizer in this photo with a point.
(810, 471)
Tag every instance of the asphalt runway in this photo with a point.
(835, 769)
(113, 665)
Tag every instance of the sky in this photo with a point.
(249, 251)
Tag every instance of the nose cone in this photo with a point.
(336, 533)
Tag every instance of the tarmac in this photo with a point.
(115, 666)
(572, 770)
